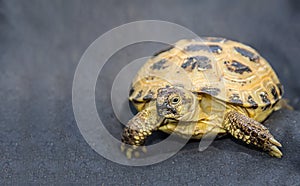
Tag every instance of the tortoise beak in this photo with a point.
(165, 109)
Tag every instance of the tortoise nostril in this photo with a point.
(172, 109)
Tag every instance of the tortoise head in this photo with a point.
(176, 103)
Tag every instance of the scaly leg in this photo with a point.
(251, 132)
(138, 129)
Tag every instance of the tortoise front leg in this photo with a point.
(251, 132)
(138, 129)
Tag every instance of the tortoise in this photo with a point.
(216, 85)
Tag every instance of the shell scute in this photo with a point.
(225, 69)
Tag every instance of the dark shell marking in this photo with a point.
(274, 93)
(266, 107)
(265, 99)
(237, 67)
(162, 51)
(215, 48)
(159, 65)
(131, 90)
(253, 104)
(280, 88)
(207, 48)
(252, 57)
(235, 98)
(210, 90)
(149, 96)
(202, 63)
(139, 94)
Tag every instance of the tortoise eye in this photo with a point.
(175, 100)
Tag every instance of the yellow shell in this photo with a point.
(227, 70)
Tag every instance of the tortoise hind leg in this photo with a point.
(283, 103)
(251, 132)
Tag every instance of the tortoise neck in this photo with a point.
(194, 112)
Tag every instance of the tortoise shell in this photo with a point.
(225, 69)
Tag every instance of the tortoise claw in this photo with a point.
(274, 151)
(133, 150)
(272, 146)
(275, 142)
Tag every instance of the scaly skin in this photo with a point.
(138, 129)
(251, 132)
